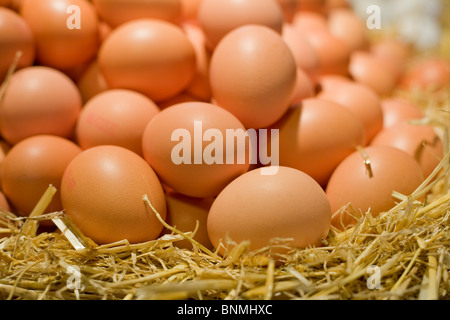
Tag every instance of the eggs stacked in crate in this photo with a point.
(273, 122)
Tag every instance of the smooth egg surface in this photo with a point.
(365, 181)
(102, 192)
(261, 208)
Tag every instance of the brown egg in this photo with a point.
(104, 30)
(260, 208)
(200, 86)
(289, 8)
(91, 82)
(182, 97)
(39, 100)
(190, 10)
(153, 57)
(31, 166)
(427, 74)
(186, 144)
(256, 88)
(304, 88)
(218, 18)
(15, 35)
(315, 6)
(305, 56)
(115, 117)
(394, 51)
(66, 31)
(76, 73)
(336, 4)
(421, 142)
(102, 192)
(4, 205)
(184, 213)
(328, 81)
(344, 24)
(4, 149)
(359, 99)
(333, 53)
(5, 3)
(316, 136)
(399, 111)
(373, 71)
(15, 4)
(309, 21)
(366, 180)
(118, 12)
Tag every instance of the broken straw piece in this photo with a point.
(71, 237)
(31, 225)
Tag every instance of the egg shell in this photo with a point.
(104, 30)
(4, 149)
(311, 6)
(15, 4)
(91, 82)
(333, 53)
(256, 88)
(309, 21)
(39, 100)
(177, 148)
(304, 88)
(427, 74)
(151, 56)
(102, 193)
(305, 56)
(5, 3)
(391, 48)
(289, 9)
(316, 136)
(115, 117)
(77, 72)
(200, 86)
(344, 24)
(183, 213)
(358, 98)
(182, 97)
(366, 180)
(261, 208)
(190, 10)
(31, 166)
(328, 81)
(399, 111)
(4, 205)
(373, 71)
(336, 4)
(118, 12)
(15, 35)
(218, 18)
(394, 51)
(66, 36)
(421, 142)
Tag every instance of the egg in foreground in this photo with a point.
(365, 181)
(260, 208)
(102, 192)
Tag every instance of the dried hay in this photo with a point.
(401, 254)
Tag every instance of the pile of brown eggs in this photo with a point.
(256, 119)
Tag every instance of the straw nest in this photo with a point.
(401, 254)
